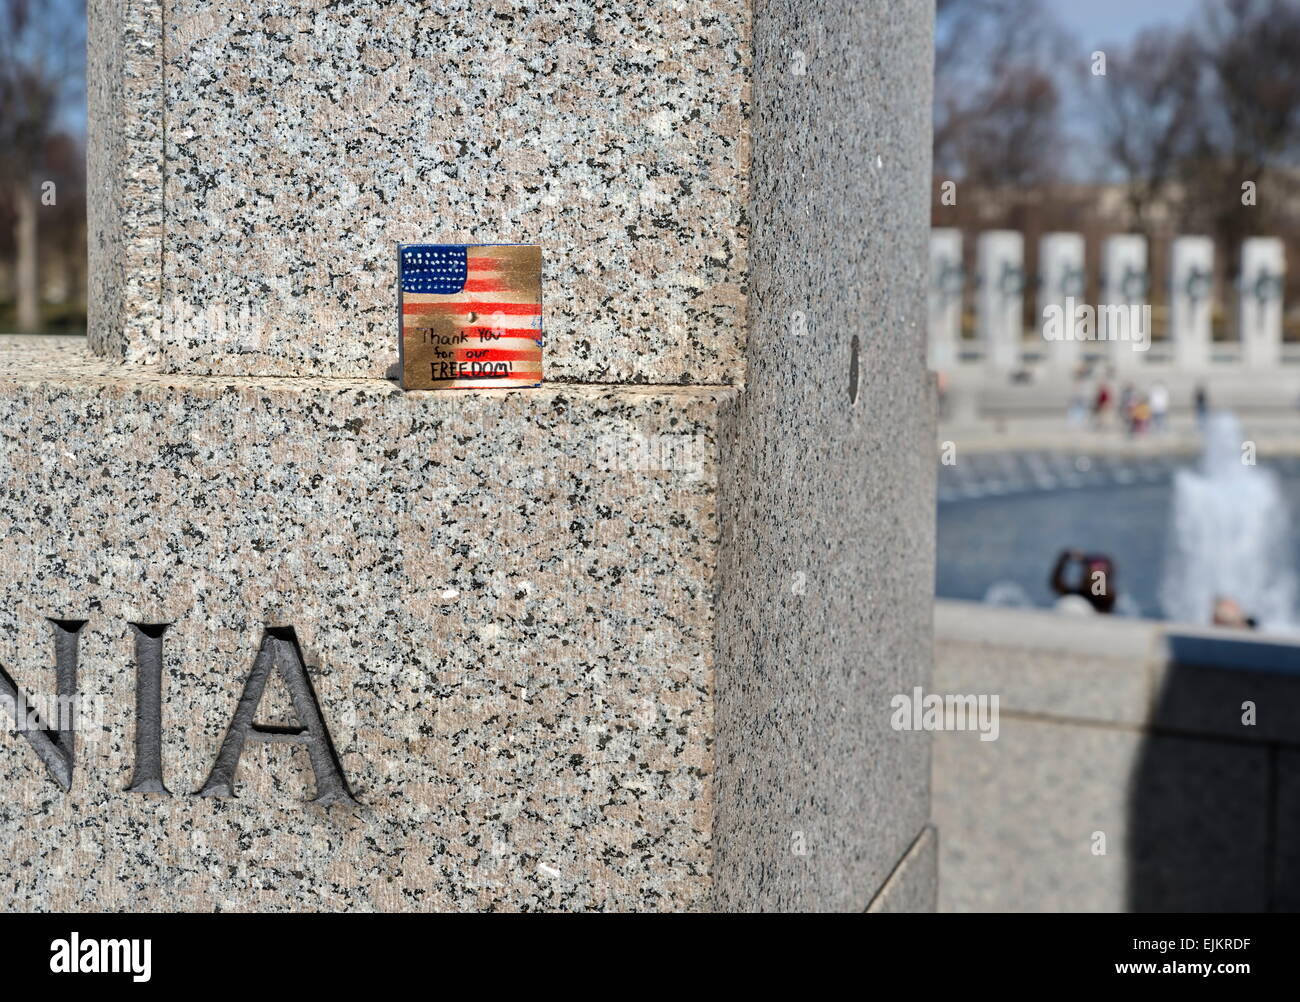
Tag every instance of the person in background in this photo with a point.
(1101, 404)
(1227, 612)
(1139, 415)
(1202, 402)
(1127, 395)
(1159, 401)
(1095, 584)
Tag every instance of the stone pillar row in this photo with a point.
(1125, 281)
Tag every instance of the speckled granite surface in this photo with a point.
(826, 580)
(305, 141)
(124, 198)
(557, 676)
(512, 638)
(914, 885)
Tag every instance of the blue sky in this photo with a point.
(1100, 22)
(1107, 25)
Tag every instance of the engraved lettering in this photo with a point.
(148, 775)
(280, 651)
(55, 746)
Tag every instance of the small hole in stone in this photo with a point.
(853, 371)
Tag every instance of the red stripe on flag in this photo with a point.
(498, 355)
(509, 309)
(535, 377)
(486, 285)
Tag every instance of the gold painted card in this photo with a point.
(471, 315)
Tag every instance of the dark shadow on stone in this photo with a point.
(1208, 829)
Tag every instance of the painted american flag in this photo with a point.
(471, 315)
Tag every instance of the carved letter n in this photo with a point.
(55, 746)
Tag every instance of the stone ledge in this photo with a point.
(913, 887)
(62, 361)
(1043, 629)
(511, 635)
(1102, 670)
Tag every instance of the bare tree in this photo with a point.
(1248, 128)
(997, 100)
(41, 58)
(1147, 113)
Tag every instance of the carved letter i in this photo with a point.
(148, 776)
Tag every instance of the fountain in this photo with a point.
(1229, 536)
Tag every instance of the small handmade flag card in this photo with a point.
(471, 315)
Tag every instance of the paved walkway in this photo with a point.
(1273, 435)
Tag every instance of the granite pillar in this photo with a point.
(1124, 289)
(561, 648)
(1191, 298)
(946, 286)
(1000, 300)
(1061, 287)
(1259, 301)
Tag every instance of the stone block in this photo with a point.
(914, 885)
(1185, 821)
(305, 142)
(515, 660)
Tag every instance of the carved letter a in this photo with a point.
(280, 651)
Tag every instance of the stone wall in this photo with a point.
(828, 485)
(1104, 730)
(623, 641)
